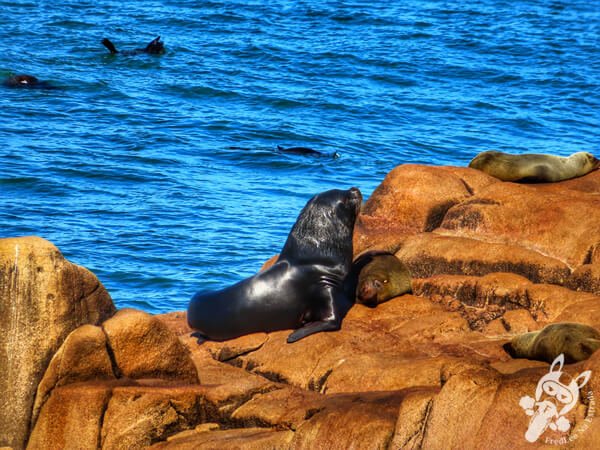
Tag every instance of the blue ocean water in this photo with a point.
(128, 166)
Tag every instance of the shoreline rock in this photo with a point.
(490, 260)
(43, 297)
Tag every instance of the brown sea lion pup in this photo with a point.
(575, 340)
(383, 277)
(534, 168)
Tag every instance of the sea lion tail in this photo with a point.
(110, 46)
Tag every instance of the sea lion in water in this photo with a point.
(534, 168)
(305, 151)
(26, 81)
(306, 289)
(382, 278)
(155, 47)
(575, 340)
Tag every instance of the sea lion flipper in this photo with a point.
(201, 338)
(109, 45)
(335, 303)
(155, 46)
(312, 328)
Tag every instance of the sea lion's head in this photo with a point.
(384, 278)
(586, 161)
(521, 346)
(21, 81)
(370, 290)
(593, 161)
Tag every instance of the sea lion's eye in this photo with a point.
(385, 281)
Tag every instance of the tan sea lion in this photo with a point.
(533, 167)
(575, 340)
(382, 278)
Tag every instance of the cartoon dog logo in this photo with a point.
(550, 395)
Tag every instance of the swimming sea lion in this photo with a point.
(306, 289)
(26, 81)
(382, 278)
(155, 47)
(534, 168)
(575, 340)
(304, 151)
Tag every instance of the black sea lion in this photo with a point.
(575, 340)
(26, 81)
(534, 168)
(304, 151)
(382, 278)
(307, 289)
(155, 47)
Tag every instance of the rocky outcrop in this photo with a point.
(83, 356)
(134, 375)
(549, 233)
(43, 297)
(431, 254)
(143, 347)
(490, 260)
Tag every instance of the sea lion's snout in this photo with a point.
(508, 348)
(367, 293)
(26, 79)
(355, 196)
(355, 193)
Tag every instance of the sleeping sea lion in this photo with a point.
(575, 340)
(307, 289)
(155, 47)
(382, 278)
(534, 168)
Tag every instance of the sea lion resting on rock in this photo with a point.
(155, 47)
(534, 168)
(382, 278)
(307, 289)
(575, 340)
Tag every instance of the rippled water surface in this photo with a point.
(128, 168)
